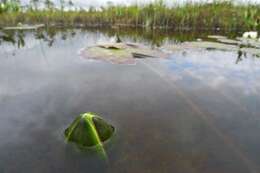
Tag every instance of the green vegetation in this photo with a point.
(224, 15)
(89, 130)
(155, 38)
(9, 6)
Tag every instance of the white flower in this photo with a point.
(250, 34)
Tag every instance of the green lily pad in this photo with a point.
(212, 45)
(202, 45)
(24, 27)
(207, 45)
(89, 130)
(217, 36)
(229, 41)
(121, 53)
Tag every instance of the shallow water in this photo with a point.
(196, 112)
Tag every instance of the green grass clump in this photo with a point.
(224, 15)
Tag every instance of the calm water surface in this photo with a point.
(196, 112)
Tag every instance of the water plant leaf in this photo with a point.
(121, 53)
(212, 45)
(206, 45)
(24, 27)
(89, 130)
(103, 129)
(228, 41)
(217, 36)
(202, 45)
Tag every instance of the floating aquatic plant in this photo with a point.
(121, 53)
(89, 130)
(249, 46)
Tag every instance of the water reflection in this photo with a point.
(152, 37)
(196, 112)
(216, 68)
(18, 37)
(229, 93)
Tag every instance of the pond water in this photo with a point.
(195, 112)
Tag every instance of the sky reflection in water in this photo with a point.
(194, 112)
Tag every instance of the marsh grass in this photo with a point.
(218, 15)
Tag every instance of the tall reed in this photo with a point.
(218, 15)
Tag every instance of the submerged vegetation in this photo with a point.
(89, 130)
(218, 15)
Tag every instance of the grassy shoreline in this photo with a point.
(219, 15)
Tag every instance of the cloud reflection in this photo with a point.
(216, 69)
